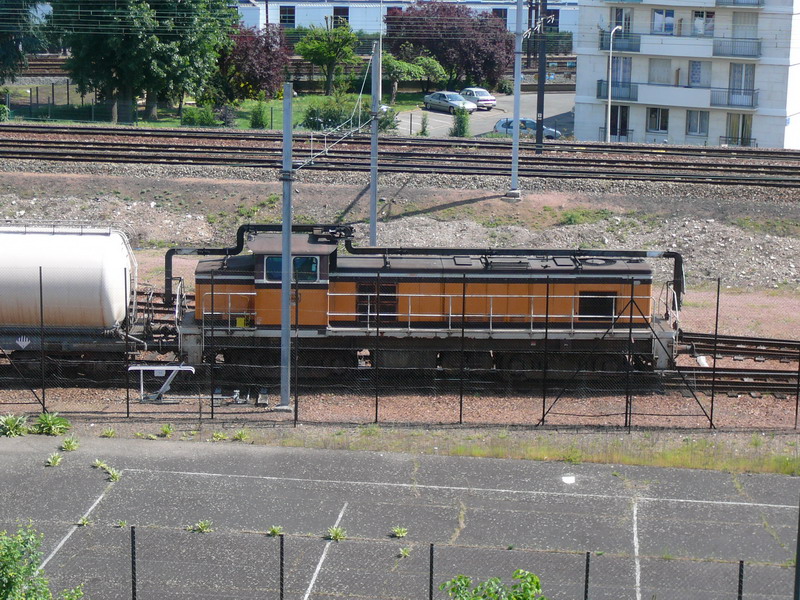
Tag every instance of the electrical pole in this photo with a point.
(542, 76)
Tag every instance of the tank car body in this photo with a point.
(423, 303)
(75, 284)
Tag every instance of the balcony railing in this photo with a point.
(738, 141)
(734, 98)
(744, 48)
(617, 135)
(753, 3)
(620, 90)
(624, 41)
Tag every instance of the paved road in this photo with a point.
(645, 527)
(557, 111)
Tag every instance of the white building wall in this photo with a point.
(777, 72)
(253, 14)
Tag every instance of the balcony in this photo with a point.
(734, 98)
(741, 3)
(624, 41)
(620, 90)
(617, 135)
(746, 142)
(740, 48)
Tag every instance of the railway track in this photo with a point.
(473, 157)
(737, 381)
(761, 349)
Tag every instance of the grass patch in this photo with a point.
(779, 227)
(581, 216)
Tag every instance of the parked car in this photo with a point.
(527, 127)
(448, 101)
(479, 96)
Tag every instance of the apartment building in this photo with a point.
(701, 72)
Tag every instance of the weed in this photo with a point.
(336, 534)
(404, 552)
(114, 474)
(84, 522)
(241, 435)
(167, 430)
(274, 531)
(70, 443)
(151, 436)
(579, 216)
(53, 460)
(51, 424)
(399, 532)
(370, 430)
(510, 547)
(122, 524)
(13, 426)
(756, 441)
(138, 435)
(108, 432)
(218, 436)
(201, 527)
(99, 464)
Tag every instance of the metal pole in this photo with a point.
(461, 377)
(586, 578)
(296, 346)
(741, 580)
(608, 83)
(373, 154)
(133, 562)
(542, 76)
(127, 354)
(796, 565)
(714, 363)
(375, 361)
(282, 561)
(520, 33)
(213, 360)
(41, 338)
(797, 391)
(287, 176)
(546, 349)
(430, 574)
(628, 396)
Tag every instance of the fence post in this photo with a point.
(796, 566)
(296, 347)
(213, 358)
(133, 562)
(430, 575)
(714, 367)
(282, 563)
(41, 339)
(128, 317)
(586, 578)
(410, 124)
(67, 92)
(463, 357)
(741, 580)
(797, 391)
(377, 338)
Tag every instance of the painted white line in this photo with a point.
(324, 554)
(417, 486)
(73, 529)
(637, 565)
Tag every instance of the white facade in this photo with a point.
(705, 72)
(253, 14)
(367, 16)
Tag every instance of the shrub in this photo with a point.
(51, 424)
(505, 86)
(460, 126)
(326, 114)
(227, 114)
(202, 115)
(258, 118)
(5, 113)
(423, 130)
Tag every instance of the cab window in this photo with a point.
(597, 306)
(305, 268)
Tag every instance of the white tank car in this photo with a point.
(86, 277)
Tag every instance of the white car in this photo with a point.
(448, 101)
(479, 96)
(527, 128)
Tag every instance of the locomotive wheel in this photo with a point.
(518, 367)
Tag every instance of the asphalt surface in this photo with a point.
(558, 107)
(662, 533)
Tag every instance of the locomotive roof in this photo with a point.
(302, 244)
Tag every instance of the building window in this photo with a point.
(341, 15)
(502, 14)
(551, 20)
(700, 73)
(657, 120)
(697, 122)
(663, 21)
(622, 17)
(660, 71)
(703, 23)
(287, 17)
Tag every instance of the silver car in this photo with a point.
(448, 101)
(479, 96)
(527, 128)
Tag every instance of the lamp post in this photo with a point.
(608, 82)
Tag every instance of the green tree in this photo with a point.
(20, 577)
(18, 21)
(396, 70)
(122, 48)
(431, 72)
(329, 49)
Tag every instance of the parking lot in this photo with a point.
(649, 531)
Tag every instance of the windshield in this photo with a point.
(481, 93)
(455, 98)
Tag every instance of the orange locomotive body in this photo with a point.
(424, 303)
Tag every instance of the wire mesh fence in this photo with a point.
(404, 359)
(156, 562)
